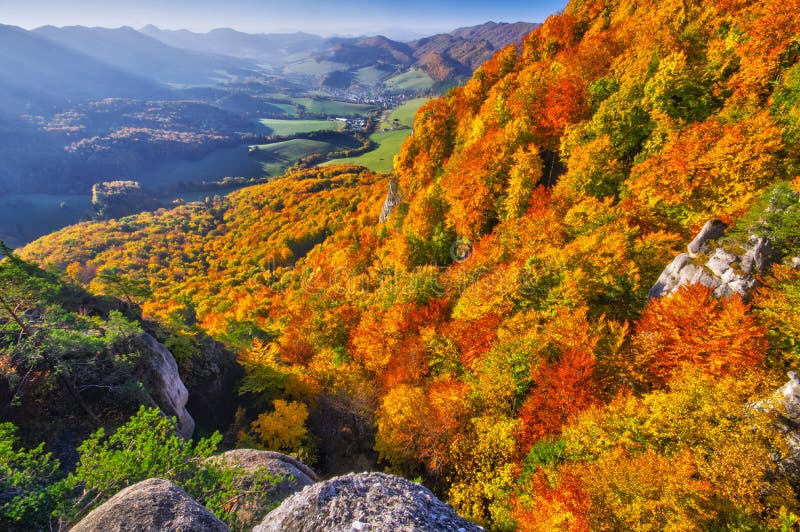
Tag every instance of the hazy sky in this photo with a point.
(316, 16)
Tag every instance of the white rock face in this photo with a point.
(712, 230)
(393, 198)
(789, 402)
(165, 384)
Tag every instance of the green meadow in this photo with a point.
(404, 113)
(293, 127)
(381, 159)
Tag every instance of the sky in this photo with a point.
(342, 17)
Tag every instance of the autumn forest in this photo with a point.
(496, 335)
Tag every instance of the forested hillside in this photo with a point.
(495, 330)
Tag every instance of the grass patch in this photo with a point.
(381, 159)
(287, 108)
(405, 113)
(293, 127)
(413, 80)
(372, 75)
(314, 68)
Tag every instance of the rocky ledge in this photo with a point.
(250, 508)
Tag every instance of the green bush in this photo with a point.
(32, 486)
(35, 493)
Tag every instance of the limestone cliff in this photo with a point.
(393, 198)
(159, 372)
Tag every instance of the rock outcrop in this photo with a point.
(784, 405)
(720, 269)
(392, 200)
(365, 501)
(346, 434)
(251, 507)
(787, 401)
(153, 504)
(159, 373)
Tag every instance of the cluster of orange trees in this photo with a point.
(529, 380)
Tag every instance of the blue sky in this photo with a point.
(343, 17)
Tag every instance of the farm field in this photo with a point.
(287, 108)
(293, 127)
(381, 159)
(331, 107)
(275, 158)
(404, 113)
(373, 75)
(311, 67)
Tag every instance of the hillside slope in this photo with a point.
(495, 333)
(499, 34)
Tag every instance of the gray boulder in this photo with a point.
(151, 505)
(251, 506)
(365, 501)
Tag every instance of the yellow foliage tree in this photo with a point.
(284, 428)
(483, 471)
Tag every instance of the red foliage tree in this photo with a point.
(693, 328)
(558, 390)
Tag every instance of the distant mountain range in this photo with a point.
(265, 47)
(52, 66)
(442, 56)
(145, 56)
(36, 72)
